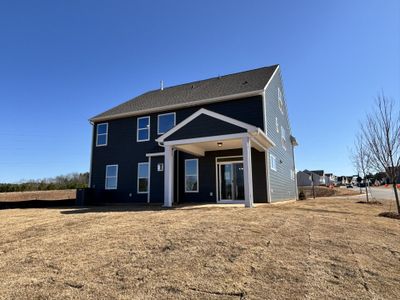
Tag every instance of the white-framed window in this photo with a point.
(143, 178)
(277, 124)
(191, 175)
(280, 100)
(101, 134)
(283, 137)
(111, 182)
(272, 162)
(143, 129)
(292, 174)
(165, 122)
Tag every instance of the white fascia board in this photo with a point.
(176, 106)
(248, 127)
(155, 154)
(206, 139)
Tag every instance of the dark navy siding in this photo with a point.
(122, 148)
(207, 176)
(203, 126)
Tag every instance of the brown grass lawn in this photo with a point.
(38, 195)
(323, 248)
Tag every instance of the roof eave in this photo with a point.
(176, 106)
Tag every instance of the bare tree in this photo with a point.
(382, 135)
(361, 158)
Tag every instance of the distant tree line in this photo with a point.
(62, 182)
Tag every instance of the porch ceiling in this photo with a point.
(200, 148)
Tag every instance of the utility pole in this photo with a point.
(312, 181)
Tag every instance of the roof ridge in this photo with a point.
(210, 78)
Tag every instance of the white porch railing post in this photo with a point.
(168, 176)
(247, 170)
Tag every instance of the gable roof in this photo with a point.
(242, 84)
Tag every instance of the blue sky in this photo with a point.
(63, 62)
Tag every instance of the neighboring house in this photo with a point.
(330, 179)
(322, 177)
(225, 139)
(306, 178)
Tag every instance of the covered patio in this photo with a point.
(224, 134)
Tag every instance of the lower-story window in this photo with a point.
(191, 175)
(143, 178)
(272, 162)
(111, 177)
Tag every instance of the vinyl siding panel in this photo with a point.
(281, 185)
(205, 125)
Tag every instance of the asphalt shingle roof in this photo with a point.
(242, 82)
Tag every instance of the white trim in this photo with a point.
(148, 175)
(273, 157)
(137, 129)
(206, 139)
(149, 189)
(155, 154)
(97, 135)
(158, 121)
(168, 176)
(218, 177)
(116, 176)
(197, 175)
(247, 172)
(176, 106)
(215, 115)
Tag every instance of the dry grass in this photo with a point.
(38, 195)
(322, 191)
(323, 248)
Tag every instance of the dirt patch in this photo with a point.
(392, 215)
(316, 249)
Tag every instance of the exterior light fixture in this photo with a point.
(219, 144)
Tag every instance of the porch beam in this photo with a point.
(247, 172)
(168, 176)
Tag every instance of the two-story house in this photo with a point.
(225, 139)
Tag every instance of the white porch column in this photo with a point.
(247, 170)
(168, 176)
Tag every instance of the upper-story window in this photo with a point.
(280, 100)
(102, 134)
(165, 122)
(272, 162)
(283, 137)
(277, 124)
(143, 129)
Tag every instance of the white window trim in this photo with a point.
(97, 135)
(292, 174)
(277, 124)
(148, 177)
(197, 175)
(137, 129)
(272, 158)
(116, 176)
(283, 137)
(280, 100)
(158, 122)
